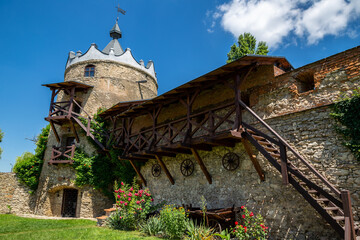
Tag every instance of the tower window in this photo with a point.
(89, 71)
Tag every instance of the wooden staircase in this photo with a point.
(333, 205)
(101, 219)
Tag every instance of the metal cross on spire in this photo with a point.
(119, 10)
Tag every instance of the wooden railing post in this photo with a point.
(349, 220)
(284, 164)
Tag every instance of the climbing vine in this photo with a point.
(346, 113)
(101, 170)
(28, 166)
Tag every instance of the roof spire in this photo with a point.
(115, 32)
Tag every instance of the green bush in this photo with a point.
(28, 166)
(174, 220)
(133, 204)
(153, 226)
(196, 231)
(250, 227)
(347, 116)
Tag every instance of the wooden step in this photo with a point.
(109, 211)
(103, 217)
(264, 143)
(274, 154)
(322, 200)
(250, 131)
(312, 191)
(332, 208)
(258, 137)
(339, 218)
(270, 149)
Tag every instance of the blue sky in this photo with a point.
(185, 39)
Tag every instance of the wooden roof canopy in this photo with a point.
(124, 109)
(67, 85)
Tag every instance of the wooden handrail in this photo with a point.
(333, 188)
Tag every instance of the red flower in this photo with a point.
(245, 228)
(236, 223)
(137, 202)
(118, 196)
(152, 200)
(242, 207)
(234, 230)
(129, 199)
(251, 214)
(122, 183)
(131, 189)
(116, 191)
(243, 216)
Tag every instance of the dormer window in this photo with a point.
(89, 71)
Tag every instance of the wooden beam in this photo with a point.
(54, 130)
(167, 154)
(138, 172)
(284, 164)
(198, 146)
(253, 159)
(164, 168)
(222, 142)
(74, 131)
(175, 150)
(202, 165)
(348, 214)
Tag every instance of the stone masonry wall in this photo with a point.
(15, 195)
(113, 83)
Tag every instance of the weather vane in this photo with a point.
(119, 10)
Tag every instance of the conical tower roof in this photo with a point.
(114, 44)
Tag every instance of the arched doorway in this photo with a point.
(69, 203)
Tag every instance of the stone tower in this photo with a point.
(93, 80)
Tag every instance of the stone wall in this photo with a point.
(15, 195)
(113, 82)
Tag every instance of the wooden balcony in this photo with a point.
(62, 155)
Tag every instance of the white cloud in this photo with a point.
(273, 20)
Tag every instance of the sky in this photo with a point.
(184, 38)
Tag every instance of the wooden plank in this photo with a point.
(74, 131)
(175, 150)
(284, 164)
(349, 219)
(253, 159)
(164, 168)
(54, 130)
(202, 165)
(138, 172)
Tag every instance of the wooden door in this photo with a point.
(69, 203)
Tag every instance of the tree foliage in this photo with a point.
(346, 113)
(246, 45)
(28, 166)
(1, 138)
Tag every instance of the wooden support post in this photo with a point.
(54, 130)
(202, 165)
(88, 127)
(164, 168)
(52, 101)
(72, 94)
(284, 164)
(74, 131)
(138, 172)
(348, 214)
(253, 159)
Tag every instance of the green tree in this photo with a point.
(246, 45)
(1, 137)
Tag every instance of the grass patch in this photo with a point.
(14, 227)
